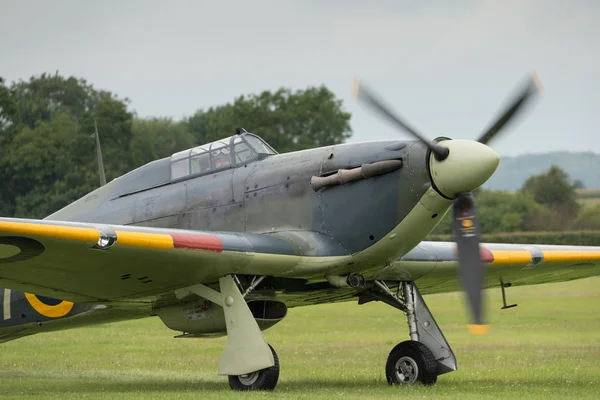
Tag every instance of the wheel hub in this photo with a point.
(249, 379)
(407, 370)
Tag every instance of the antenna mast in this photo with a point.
(99, 154)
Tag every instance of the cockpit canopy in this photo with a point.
(222, 154)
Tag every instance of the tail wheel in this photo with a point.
(265, 379)
(411, 362)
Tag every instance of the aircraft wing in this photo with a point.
(519, 264)
(88, 262)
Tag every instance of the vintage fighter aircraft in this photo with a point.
(223, 238)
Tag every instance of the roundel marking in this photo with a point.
(28, 248)
(49, 310)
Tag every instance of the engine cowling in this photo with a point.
(203, 318)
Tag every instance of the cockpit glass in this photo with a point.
(180, 168)
(218, 155)
(180, 155)
(258, 145)
(200, 163)
(220, 143)
(243, 153)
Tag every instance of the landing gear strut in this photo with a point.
(427, 354)
(248, 361)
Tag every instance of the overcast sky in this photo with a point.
(447, 66)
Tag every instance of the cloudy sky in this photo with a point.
(447, 66)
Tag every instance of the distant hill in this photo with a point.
(513, 171)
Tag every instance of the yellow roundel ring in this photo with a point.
(51, 311)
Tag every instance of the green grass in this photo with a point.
(589, 202)
(547, 347)
(588, 193)
(588, 197)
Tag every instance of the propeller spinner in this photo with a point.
(457, 168)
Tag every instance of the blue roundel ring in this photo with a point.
(29, 248)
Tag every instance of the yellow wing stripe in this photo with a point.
(141, 239)
(570, 255)
(511, 257)
(503, 257)
(124, 238)
(52, 231)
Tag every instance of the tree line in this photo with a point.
(547, 202)
(48, 157)
(47, 145)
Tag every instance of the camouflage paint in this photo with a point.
(360, 226)
(235, 199)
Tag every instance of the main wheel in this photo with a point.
(410, 362)
(264, 379)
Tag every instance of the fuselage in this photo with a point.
(270, 194)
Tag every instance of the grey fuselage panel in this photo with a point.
(270, 196)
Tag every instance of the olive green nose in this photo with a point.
(468, 166)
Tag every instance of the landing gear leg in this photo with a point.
(248, 360)
(427, 354)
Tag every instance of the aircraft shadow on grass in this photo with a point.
(301, 385)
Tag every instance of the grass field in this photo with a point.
(588, 197)
(547, 347)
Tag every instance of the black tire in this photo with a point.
(411, 362)
(265, 379)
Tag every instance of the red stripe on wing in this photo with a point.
(199, 242)
(486, 255)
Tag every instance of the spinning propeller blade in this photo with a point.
(362, 93)
(531, 88)
(471, 269)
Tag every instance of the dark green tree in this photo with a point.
(8, 119)
(554, 190)
(115, 126)
(157, 138)
(588, 219)
(47, 156)
(42, 97)
(287, 120)
(502, 211)
(47, 146)
(9, 113)
(41, 167)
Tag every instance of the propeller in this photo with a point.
(464, 159)
(362, 93)
(471, 271)
(531, 88)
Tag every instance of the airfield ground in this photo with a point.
(547, 347)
